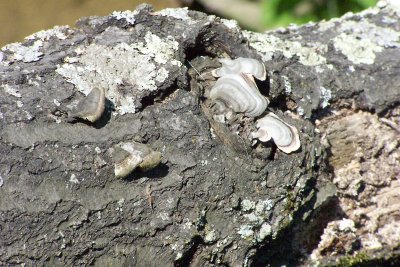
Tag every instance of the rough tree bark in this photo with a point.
(215, 199)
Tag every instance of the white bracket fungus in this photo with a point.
(91, 107)
(285, 136)
(240, 93)
(241, 65)
(132, 155)
(237, 90)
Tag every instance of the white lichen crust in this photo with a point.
(32, 52)
(59, 32)
(128, 16)
(24, 53)
(142, 66)
(178, 13)
(360, 41)
(267, 45)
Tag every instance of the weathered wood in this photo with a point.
(207, 203)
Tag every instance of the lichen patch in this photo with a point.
(11, 90)
(286, 83)
(267, 45)
(326, 95)
(265, 231)
(60, 32)
(24, 53)
(246, 231)
(124, 70)
(162, 51)
(393, 4)
(178, 13)
(32, 53)
(360, 41)
(230, 23)
(356, 50)
(128, 16)
(326, 25)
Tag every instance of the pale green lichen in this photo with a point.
(259, 208)
(356, 50)
(177, 248)
(252, 217)
(326, 25)
(267, 45)
(20, 104)
(326, 95)
(32, 53)
(73, 179)
(250, 232)
(178, 13)
(347, 225)
(247, 205)
(384, 37)
(164, 216)
(393, 4)
(230, 23)
(120, 204)
(140, 65)
(60, 32)
(256, 220)
(265, 231)
(24, 53)
(264, 205)
(360, 41)
(162, 51)
(246, 231)
(128, 16)
(286, 83)
(210, 235)
(11, 90)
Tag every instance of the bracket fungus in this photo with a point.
(236, 89)
(132, 155)
(248, 66)
(239, 92)
(285, 136)
(91, 107)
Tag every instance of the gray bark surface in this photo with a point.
(215, 199)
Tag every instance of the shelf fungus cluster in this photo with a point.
(132, 155)
(236, 90)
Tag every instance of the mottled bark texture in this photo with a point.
(215, 199)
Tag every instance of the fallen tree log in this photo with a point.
(215, 198)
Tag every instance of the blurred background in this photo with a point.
(20, 18)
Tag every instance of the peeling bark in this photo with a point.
(214, 199)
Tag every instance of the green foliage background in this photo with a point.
(283, 12)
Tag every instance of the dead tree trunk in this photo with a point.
(215, 199)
